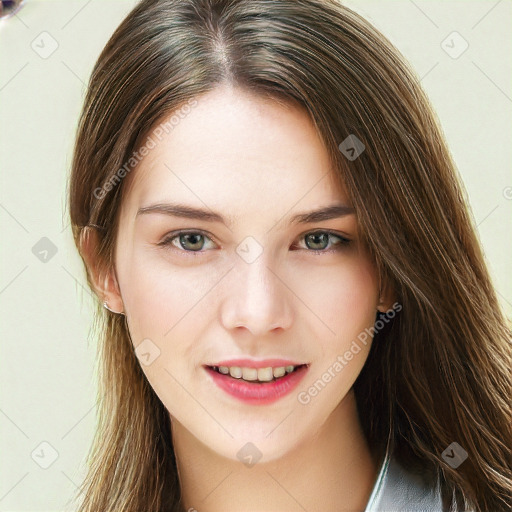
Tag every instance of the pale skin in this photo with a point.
(256, 163)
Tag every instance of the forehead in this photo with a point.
(236, 148)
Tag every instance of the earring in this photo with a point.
(105, 305)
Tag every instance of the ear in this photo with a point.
(386, 297)
(104, 280)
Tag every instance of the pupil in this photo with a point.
(315, 236)
(184, 240)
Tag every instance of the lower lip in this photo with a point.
(258, 393)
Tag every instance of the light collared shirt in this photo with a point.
(399, 490)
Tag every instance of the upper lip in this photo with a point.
(262, 363)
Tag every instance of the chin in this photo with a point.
(256, 441)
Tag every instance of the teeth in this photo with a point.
(265, 374)
(236, 372)
(249, 373)
(255, 374)
(279, 372)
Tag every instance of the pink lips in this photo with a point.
(258, 393)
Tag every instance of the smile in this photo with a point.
(257, 385)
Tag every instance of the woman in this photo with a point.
(298, 315)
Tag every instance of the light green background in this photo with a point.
(47, 381)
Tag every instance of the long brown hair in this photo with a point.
(440, 372)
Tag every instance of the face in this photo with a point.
(253, 281)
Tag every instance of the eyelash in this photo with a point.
(343, 242)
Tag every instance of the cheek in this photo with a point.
(169, 306)
(157, 296)
(347, 308)
(344, 297)
(163, 308)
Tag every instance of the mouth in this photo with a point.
(257, 386)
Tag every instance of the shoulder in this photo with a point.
(399, 489)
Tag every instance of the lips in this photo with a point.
(257, 382)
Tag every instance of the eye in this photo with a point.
(186, 241)
(318, 241)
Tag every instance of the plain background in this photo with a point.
(47, 380)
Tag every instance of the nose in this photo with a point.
(257, 299)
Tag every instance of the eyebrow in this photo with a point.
(189, 212)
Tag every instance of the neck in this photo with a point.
(332, 470)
